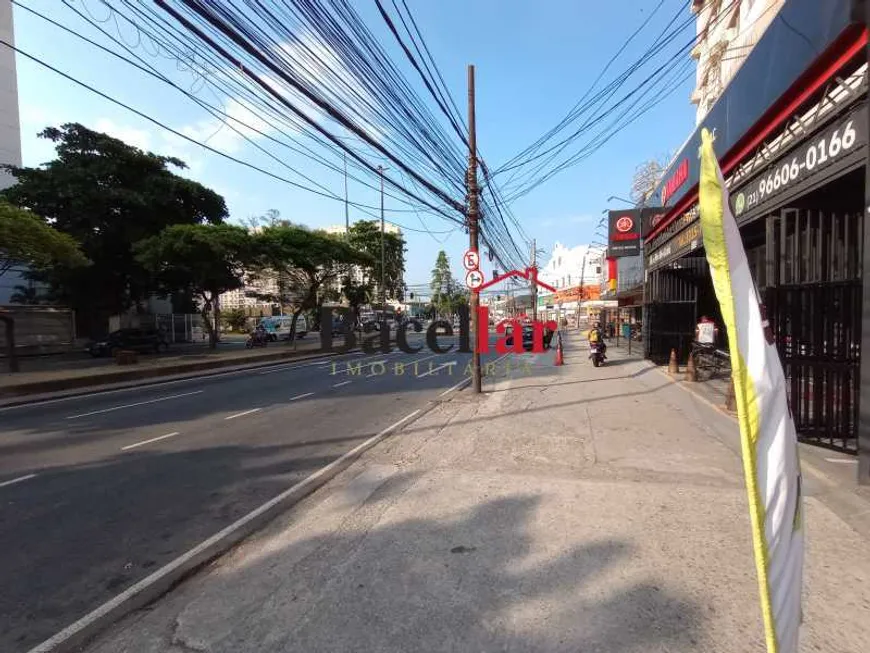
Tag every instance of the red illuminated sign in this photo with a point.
(624, 224)
(681, 174)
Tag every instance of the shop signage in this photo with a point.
(677, 179)
(776, 62)
(687, 240)
(651, 218)
(821, 155)
(624, 233)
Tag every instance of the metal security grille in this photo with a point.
(672, 307)
(813, 299)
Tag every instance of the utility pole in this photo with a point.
(582, 278)
(346, 210)
(534, 275)
(472, 227)
(383, 257)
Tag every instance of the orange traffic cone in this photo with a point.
(673, 367)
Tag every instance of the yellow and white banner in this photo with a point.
(769, 441)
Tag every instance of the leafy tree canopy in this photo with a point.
(27, 239)
(206, 259)
(306, 262)
(365, 235)
(108, 195)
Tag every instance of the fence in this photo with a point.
(177, 327)
(39, 329)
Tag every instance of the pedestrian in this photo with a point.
(706, 331)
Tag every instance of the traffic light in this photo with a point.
(412, 295)
(495, 274)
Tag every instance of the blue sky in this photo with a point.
(533, 60)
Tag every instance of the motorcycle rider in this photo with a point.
(596, 336)
(260, 334)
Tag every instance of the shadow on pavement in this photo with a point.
(476, 578)
(114, 522)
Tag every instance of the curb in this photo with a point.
(152, 380)
(120, 376)
(152, 587)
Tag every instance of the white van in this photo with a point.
(278, 327)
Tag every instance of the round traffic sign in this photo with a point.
(471, 259)
(474, 279)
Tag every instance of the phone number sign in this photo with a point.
(821, 152)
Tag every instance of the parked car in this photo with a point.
(528, 336)
(278, 327)
(140, 340)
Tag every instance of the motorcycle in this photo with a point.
(596, 353)
(257, 339)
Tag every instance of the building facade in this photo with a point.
(245, 298)
(791, 136)
(726, 33)
(570, 267)
(12, 281)
(574, 272)
(356, 271)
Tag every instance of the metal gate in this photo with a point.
(672, 294)
(813, 298)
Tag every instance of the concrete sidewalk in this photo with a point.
(568, 509)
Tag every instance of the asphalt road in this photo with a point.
(98, 491)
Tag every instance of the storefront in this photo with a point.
(566, 305)
(791, 135)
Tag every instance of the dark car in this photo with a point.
(528, 337)
(140, 340)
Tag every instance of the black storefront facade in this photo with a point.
(791, 133)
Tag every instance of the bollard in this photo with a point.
(673, 368)
(730, 400)
(691, 373)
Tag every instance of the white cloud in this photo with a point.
(137, 137)
(228, 134)
(32, 117)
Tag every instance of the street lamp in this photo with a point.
(621, 199)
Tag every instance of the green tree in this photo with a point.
(357, 294)
(365, 236)
(307, 263)
(27, 239)
(207, 260)
(107, 195)
(236, 319)
(442, 285)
